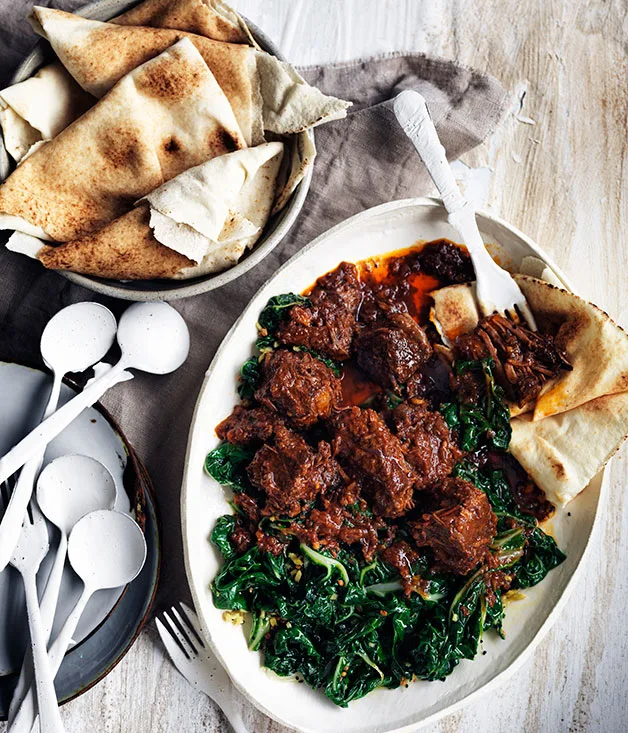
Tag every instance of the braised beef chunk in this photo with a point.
(328, 325)
(291, 474)
(427, 442)
(391, 353)
(447, 262)
(248, 426)
(299, 387)
(341, 285)
(363, 441)
(460, 528)
(524, 359)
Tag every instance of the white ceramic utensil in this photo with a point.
(495, 288)
(152, 337)
(74, 339)
(106, 550)
(180, 630)
(30, 550)
(68, 488)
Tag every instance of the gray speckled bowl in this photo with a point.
(275, 230)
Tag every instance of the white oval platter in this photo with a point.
(376, 231)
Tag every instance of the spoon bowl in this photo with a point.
(153, 337)
(71, 487)
(77, 337)
(106, 550)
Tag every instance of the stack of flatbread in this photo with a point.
(580, 418)
(157, 146)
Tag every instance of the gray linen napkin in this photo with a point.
(362, 161)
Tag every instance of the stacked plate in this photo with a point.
(113, 619)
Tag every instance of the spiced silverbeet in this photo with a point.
(379, 519)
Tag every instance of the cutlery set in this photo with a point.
(75, 494)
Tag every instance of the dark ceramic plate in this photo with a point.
(114, 620)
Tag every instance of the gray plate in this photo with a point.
(276, 228)
(112, 619)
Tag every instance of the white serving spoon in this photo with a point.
(74, 339)
(152, 337)
(106, 550)
(68, 488)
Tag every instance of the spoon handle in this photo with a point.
(11, 524)
(48, 607)
(26, 713)
(49, 715)
(414, 117)
(39, 438)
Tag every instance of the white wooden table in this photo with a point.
(561, 180)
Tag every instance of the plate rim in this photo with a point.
(204, 283)
(522, 658)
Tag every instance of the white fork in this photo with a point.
(495, 288)
(29, 552)
(181, 633)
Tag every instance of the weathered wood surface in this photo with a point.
(562, 180)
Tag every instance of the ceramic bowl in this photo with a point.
(276, 228)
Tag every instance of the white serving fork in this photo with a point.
(31, 548)
(180, 631)
(496, 290)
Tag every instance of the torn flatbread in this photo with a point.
(39, 108)
(164, 117)
(562, 453)
(210, 18)
(208, 216)
(264, 92)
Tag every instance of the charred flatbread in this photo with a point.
(164, 117)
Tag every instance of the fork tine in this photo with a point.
(193, 622)
(188, 634)
(173, 648)
(5, 494)
(524, 310)
(173, 632)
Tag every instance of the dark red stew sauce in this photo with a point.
(352, 458)
(404, 280)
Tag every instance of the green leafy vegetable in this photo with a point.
(541, 555)
(494, 484)
(259, 628)
(227, 465)
(271, 316)
(485, 422)
(276, 308)
(249, 377)
(221, 535)
(326, 561)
